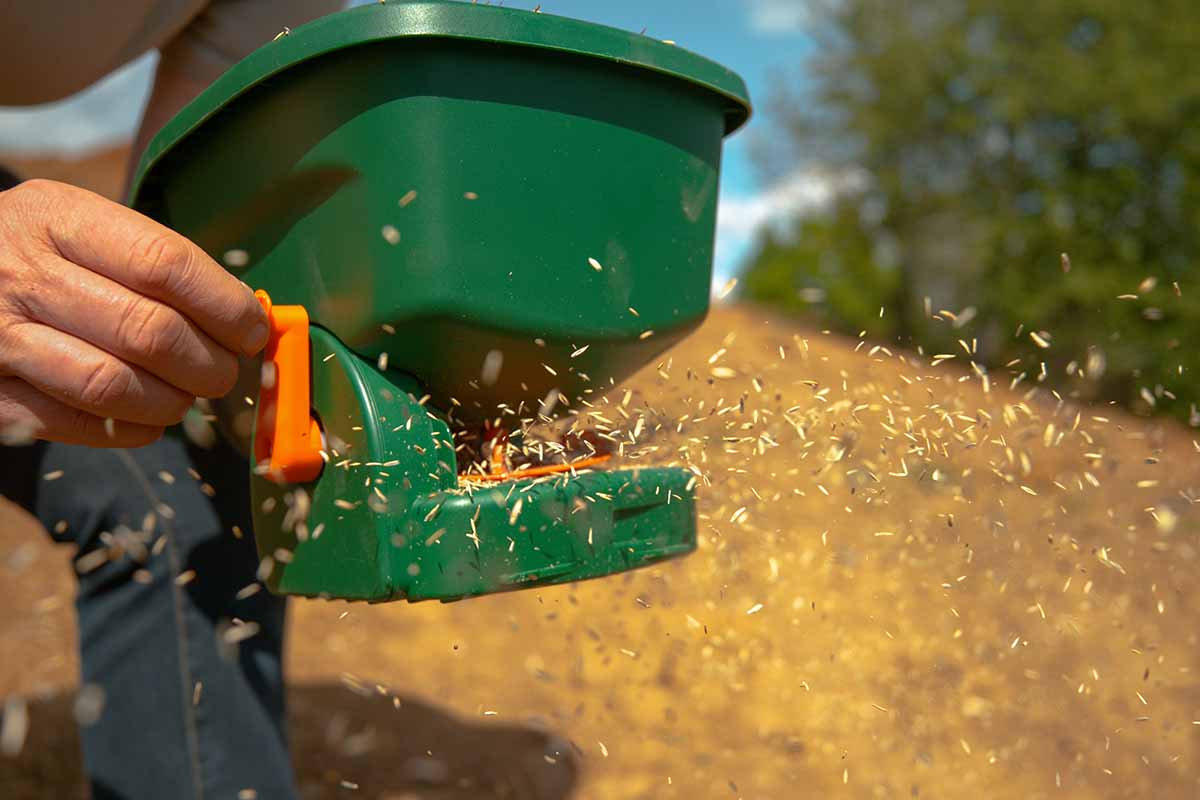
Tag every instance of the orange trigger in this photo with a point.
(287, 440)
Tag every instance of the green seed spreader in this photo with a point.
(461, 218)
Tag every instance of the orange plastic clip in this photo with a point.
(539, 471)
(287, 440)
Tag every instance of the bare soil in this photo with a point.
(906, 587)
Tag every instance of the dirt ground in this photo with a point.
(906, 587)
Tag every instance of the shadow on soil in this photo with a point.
(415, 751)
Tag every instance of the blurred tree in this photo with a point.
(989, 137)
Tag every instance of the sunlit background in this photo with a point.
(945, 422)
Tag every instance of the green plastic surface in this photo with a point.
(387, 520)
(453, 184)
(580, 142)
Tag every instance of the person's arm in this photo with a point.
(219, 36)
(110, 323)
(172, 90)
(49, 51)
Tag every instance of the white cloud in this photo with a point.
(803, 191)
(779, 16)
(741, 218)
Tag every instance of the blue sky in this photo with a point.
(749, 36)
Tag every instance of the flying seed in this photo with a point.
(14, 726)
(235, 634)
(549, 402)
(493, 362)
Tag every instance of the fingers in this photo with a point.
(110, 324)
(84, 377)
(28, 412)
(153, 260)
(131, 326)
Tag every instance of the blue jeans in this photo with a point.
(193, 703)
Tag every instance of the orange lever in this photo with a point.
(287, 440)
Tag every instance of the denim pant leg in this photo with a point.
(193, 707)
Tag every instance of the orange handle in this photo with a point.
(287, 440)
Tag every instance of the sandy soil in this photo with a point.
(906, 587)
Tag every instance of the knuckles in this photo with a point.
(26, 209)
(114, 384)
(150, 329)
(106, 384)
(32, 195)
(24, 237)
(156, 336)
(161, 260)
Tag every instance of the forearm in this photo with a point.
(172, 90)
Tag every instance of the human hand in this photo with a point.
(110, 323)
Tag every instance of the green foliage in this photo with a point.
(995, 136)
(828, 272)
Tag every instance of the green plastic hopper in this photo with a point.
(476, 192)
